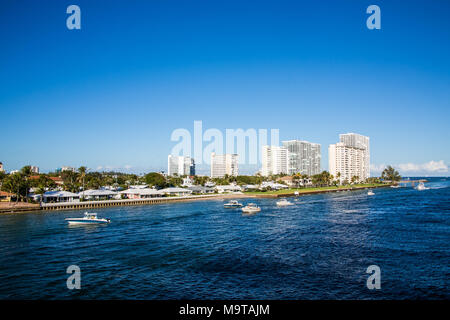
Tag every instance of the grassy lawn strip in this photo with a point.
(314, 189)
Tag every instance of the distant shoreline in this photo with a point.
(308, 191)
(20, 207)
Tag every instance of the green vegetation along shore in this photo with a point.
(310, 190)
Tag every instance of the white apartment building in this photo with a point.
(274, 160)
(304, 157)
(350, 157)
(224, 164)
(180, 165)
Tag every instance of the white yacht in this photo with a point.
(232, 204)
(421, 187)
(284, 203)
(251, 208)
(89, 218)
(370, 193)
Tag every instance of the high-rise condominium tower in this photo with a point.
(224, 164)
(304, 157)
(350, 157)
(180, 165)
(274, 160)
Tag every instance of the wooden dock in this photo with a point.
(412, 182)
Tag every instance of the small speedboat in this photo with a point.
(251, 208)
(395, 186)
(370, 193)
(421, 187)
(232, 204)
(89, 218)
(296, 193)
(284, 203)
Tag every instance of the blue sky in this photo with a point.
(110, 95)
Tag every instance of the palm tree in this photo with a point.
(296, 179)
(390, 174)
(26, 171)
(82, 170)
(338, 176)
(40, 191)
(17, 184)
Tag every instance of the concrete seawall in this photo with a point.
(134, 202)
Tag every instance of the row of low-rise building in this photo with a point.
(55, 196)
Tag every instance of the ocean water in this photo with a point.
(319, 248)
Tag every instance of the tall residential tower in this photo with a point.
(274, 160)
(180, 165)
(304, 157)
(350, 157)
(224, 164)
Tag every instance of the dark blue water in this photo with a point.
(318, 249)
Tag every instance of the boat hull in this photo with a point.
(87, 221)
(284, 204)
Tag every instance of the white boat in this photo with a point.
(296, 193)
(251, 208)
(232, 204)
(395, 186)
(89, 218)
(284, 203)
(370, 193)
(421, 187)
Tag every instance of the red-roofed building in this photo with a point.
(58, 180)
(6, 196)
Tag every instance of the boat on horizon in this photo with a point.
(233, 204)
(251, 208)
(88, 218)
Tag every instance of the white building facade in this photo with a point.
(274, 160)
(180, 165)
(350, 157)
(304, 157)
(224, 164)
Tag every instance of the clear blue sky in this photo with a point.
(111, 93)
